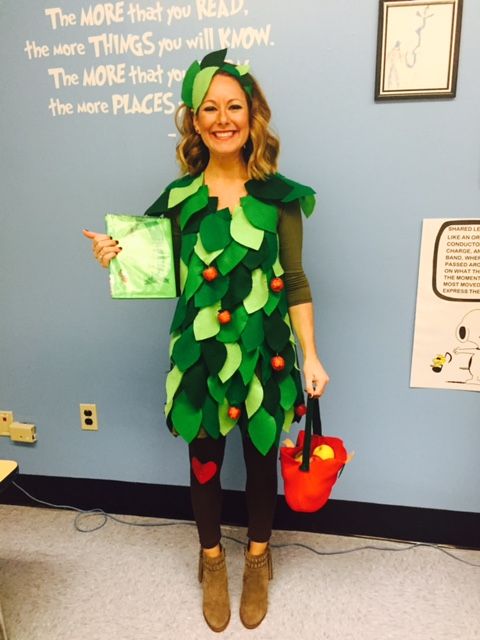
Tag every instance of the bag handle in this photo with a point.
(313, 423)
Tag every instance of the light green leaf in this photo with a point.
(288, 421)
(245, 233)
(226, 423)
(234, 358)
(173, 339)
(201, 84)
(183, 275)
(172, 383)
(206, 324)
(277, 268)
(206, 256)
(258, 296)
(179, 194)
(254, 397)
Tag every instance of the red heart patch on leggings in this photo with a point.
(203, 471)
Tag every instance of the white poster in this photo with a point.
(446, 346)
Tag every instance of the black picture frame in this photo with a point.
(418, 46)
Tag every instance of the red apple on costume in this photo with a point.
(234, 413)
(224, 317)
(277, 285)
(300, 410)
(210, 274)
(278, 363)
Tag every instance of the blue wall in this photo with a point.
(379, 169)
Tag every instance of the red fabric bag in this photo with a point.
(309, 480)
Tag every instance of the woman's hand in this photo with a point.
(104, 247)
(316, 378)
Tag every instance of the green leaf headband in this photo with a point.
(199, 76)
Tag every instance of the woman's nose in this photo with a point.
(222, 115)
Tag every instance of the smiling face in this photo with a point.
(222, 119)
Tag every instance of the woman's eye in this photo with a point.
(236, 106)
(211, 108)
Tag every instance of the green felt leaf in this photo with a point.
(254, 397)
(194, 278)
(185, 418)
(230, 257)
(210, 417)
(187, 86)
(214, 232)
(253, 334)
(249, 362)
(231, 331)
(210, 292)
(297, 190)
(243, 232)
(172, 383)
(277, 332)
(179, 315)
(186, 350)
(214, 59)
(188, 242)
(258, 296)
(183, 275)
(254, 259)
(308, 205)
(197, 201)
(173, 338)
(207, 256)
(288, 393)
(179, 194)
(194, 384)
(214, 353)
(273, 188)
(271, 396)
(226, 423)
(237, 391)
(234, 358)
(201, 84)
(206, 324)
(277, 268)
(272, 302)
(240, 287)
(288, 420)
(271, 251)
(260, 214)
(243, 69)
(216, 388)
(231, 69)
(262, 430)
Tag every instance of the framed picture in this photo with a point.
(417, 50)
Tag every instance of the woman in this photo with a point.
(237, 233)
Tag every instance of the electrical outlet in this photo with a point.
(88, 417)
(6, 419)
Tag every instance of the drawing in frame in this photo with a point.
(417, 49)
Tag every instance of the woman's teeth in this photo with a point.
(223, 134)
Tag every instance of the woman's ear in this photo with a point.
(194, 120)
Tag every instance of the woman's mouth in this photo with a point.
(223, 135)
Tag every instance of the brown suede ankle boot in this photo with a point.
(212, 573)
(254, 601)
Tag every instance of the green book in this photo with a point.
(145, 266)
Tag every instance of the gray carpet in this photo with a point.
(128, 583)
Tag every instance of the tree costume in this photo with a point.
(233, 353)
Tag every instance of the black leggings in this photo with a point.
(206, 490)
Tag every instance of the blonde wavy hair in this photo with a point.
(260, 152)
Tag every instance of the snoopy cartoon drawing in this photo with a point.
(468, 333)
